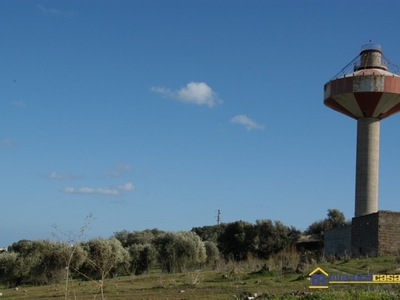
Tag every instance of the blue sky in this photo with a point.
(157, 114)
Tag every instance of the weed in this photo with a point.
(193, 278)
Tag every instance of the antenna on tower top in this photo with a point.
(218, 217)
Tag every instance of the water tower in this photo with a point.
(368, 90)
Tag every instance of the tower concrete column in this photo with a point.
(366, 90)
(367, 166)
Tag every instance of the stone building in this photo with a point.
(375, 234)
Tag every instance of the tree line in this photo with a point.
(136, 252)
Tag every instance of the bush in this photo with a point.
(238, 240)
(39, 261)
(136, 237)
(103, 257)
(142, 258)
(178, 252)
(274, 237)
(212, 252)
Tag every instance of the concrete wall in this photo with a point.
(337, 241)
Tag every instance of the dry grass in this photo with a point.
(229, 281)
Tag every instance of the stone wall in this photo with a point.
(364, 235)
(388, 233)
(376, 234)
(337, 241)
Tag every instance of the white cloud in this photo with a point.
(122, 166)
(54, 11)
(54, 175)
(113, 173)
(118, 170)
(195, 92)
(8, 144)
(20, 103)
(127, 186)
(91, 191)
(246, 122)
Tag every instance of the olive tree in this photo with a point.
(128, 238)
(335, 218)
(212, 252)
(274, 237)
(103, 256)
(42, 261)
(238, 240)
(12, 268)
(180, 251)
(24, 259)
(31, 252)
(142, 258)
(210, 233)
(58, 258)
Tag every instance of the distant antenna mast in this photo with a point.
(218, 217)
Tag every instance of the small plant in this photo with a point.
(161, 282)
(332, 259)
(346, 256)
(193, 278)
(73, 241)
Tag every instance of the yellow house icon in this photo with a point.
(318, 279)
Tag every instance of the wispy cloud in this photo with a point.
(246, 122)
(113, 173)
(194, 92)
(122, 166)
(8, 144)
(127, 186)
(117, 191)
(66, 176)
(55, 11)
(118, 170)
(20, 103)
(91, 191)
